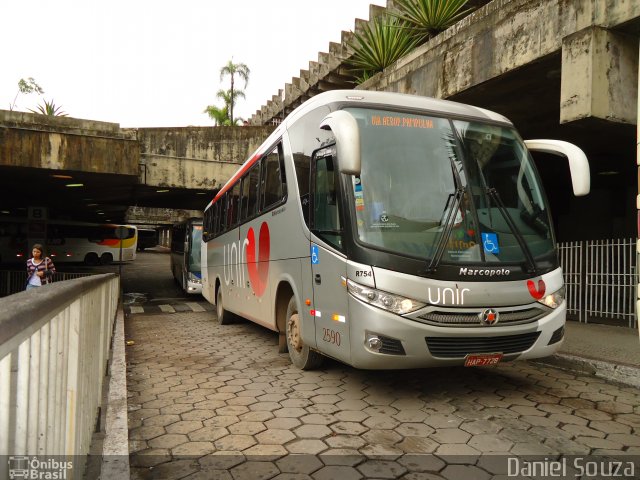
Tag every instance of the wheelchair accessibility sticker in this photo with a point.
(490, 243)
(315, 255)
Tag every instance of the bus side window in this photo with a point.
(223, 213)
(325, 219)
(250, 185)
(273, 188)
(233, 205)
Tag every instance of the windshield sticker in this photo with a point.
(404, 122)
(536, 293)
(383, 222)
(490, 243)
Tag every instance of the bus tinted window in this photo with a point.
(250, 186)
(272, 179)
(233, 205)
(326, 216)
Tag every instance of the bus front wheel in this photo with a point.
(91, 259)
(224, 316)
(301, 355)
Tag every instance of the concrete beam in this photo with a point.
(599, 76)
(64, 143)
(160, 216)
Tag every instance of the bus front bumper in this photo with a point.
(407, 343)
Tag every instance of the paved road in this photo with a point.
(210, 401)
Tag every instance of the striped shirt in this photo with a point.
(47, 264)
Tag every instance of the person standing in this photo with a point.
(39, 269)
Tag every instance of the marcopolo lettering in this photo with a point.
(485, 272)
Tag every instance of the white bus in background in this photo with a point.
(186, 240)
(392, 231)
(68, 241)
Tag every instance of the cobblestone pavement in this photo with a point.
(218, 402)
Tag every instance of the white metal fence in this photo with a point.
(600, 277)
(54, 348)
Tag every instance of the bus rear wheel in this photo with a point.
(224, 316)
(106, 258)
(301, 355)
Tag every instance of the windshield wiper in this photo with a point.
(448, 226)
(531, 264)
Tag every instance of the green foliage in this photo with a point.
(380, 43)
(26, 86)
(429, 17)
(385, 39)
(220, 116)
(224, 116)
(232, 69)
(50, 109)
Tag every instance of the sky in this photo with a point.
(156, 63)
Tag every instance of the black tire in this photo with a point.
(106, 259)
(91, 259)
(225, 317)
(302, 357)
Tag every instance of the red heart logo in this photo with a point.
(258, 272)
(539, 292)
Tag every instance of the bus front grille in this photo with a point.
(459, 347)
(453, 318)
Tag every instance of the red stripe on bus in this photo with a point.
(236, 176)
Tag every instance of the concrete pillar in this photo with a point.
(599, 76)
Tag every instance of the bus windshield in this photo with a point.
(457, 190)
(195, 247)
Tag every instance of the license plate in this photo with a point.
(482, 359)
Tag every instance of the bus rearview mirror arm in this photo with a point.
(345, 129)
(578, 163)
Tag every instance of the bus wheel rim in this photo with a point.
(294, 332)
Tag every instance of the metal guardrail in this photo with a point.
(54, 349)
(15, 281)
(600, 276)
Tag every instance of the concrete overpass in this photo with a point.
(97, 171)
(565, 69)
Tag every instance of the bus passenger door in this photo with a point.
(328, 262)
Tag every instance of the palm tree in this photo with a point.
(50, 109)
(380, 43)
(427, 18)
(220, 116)
(233, 69)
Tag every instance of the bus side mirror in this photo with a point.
(345, 129)
(578, 163)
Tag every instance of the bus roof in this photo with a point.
(365, 98)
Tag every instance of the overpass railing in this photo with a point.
(54, 349)
(15, 281)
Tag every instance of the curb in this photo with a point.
(115, 451)
(625, 374)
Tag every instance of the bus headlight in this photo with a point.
(386, 301)
(554, 299)
(192, 278)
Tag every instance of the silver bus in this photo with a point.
(186, 240)
(392, 231)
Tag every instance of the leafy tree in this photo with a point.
(427, 18)
(26, 86)
(50, 109)
(232, 69)
(380, 43)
